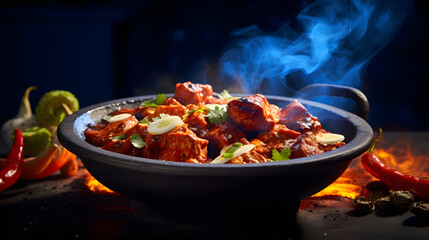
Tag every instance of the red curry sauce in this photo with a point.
(251, 120)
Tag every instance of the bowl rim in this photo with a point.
(70, 139)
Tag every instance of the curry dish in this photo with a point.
(198, 126)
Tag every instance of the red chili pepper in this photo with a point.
(11, 170)
(394, 179)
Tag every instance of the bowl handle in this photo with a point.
(315, 90)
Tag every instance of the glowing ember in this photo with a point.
(399, 156)
(351, 184)
(96, 186)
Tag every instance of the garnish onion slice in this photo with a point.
(241, 150)
(119, 117)
(164, 125)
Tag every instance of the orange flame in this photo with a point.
(94, 185)
(399, 156)
(402, 157)
(351, 184)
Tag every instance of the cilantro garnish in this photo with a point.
(119, 137)
(194, 111)
(145, 121)
(217, 116)
(137, 141)
(284, 155)
(230, 151)
(225, 94)
(159, 100)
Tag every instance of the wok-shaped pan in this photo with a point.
(179, 190)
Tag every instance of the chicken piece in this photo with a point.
(179, 145)
(253, 113)
(329, 147)
(261, 147)
(280, 134)
(192, 93)
(296, 117)
(183, 145)
(278, 138)
(139, 112)
(97, 135)
(143, 111)
(172, 110)
(118, 146)
(306, 145)
(220, 101)
(171, 101)
(222, 135)
(151, 150)
(197, 122)
(249, 157)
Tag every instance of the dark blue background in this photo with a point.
(102, 50)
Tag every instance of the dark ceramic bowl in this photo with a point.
(166, 187)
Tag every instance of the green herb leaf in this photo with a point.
(137, 141)
(149, 103)
(159, 100)
(230, 151)
(145, 121)
(119, 137)
(194, 111)
(217, 116)
(284, 155)
(225, 94)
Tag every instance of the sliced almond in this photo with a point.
(329, 138)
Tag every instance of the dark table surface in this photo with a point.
(64, 208)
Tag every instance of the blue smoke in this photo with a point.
(334, 43)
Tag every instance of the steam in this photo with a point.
(334, 43)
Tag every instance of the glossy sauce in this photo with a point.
(250, 120)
